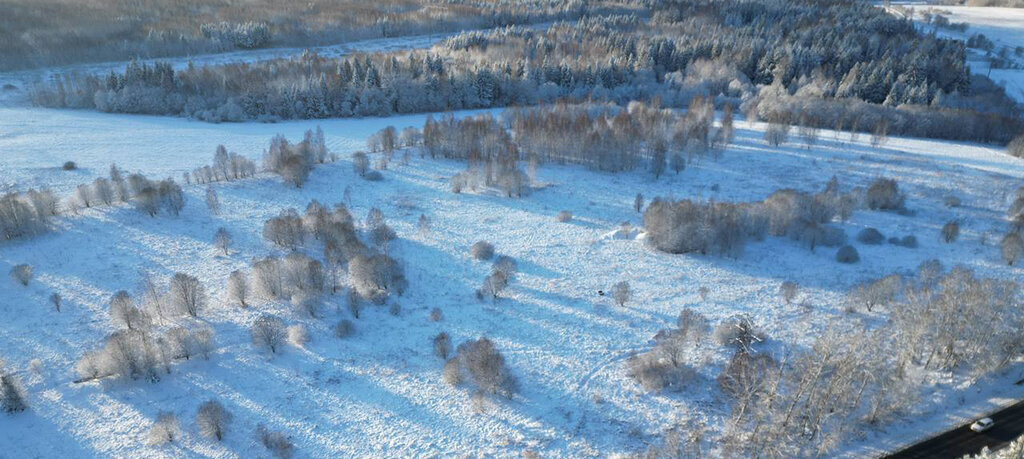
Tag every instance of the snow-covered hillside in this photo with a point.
(380, 392)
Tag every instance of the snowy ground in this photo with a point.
(1004, 26)
(380, 392)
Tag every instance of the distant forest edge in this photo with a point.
(42, 33)
(843, 65)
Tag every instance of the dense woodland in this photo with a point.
(839, 64)
(38, 33)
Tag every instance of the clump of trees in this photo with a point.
(26, 214)
(884, 194)
(667, 365)
(294, 162)
(480, 364)
(226, 167)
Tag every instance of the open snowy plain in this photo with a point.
(380, 391)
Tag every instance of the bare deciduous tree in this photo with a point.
(238, 287)
(165, 429)
(187, 294)
(621, 293)
(213, 419)
(222, 239)
(268, 331)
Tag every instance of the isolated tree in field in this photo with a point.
(360, 163)
(268, 331)
(788, 291)
(621, 293)
(776, 134)
(187, 294)
(658, 159)
(276, 442)
(493, 285)
(677, 163)
(485, 367)
(638, 203)
(55, 300)
(165, 429)
(212, 202)
(238, 288)
(423, 225)
(267, 275)
(12, 395)
(727, 130)
(213, 419)
(950, 231)
(21, 274)
(1012, 248)
(125, 313)
(222, 239)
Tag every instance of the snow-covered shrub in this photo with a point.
(436, 315)
(298, 335)
(481, 250)
(879, 292)
(656, 373)
(884, 194)
(276, 442)
(909, 241)
(395, 309)
(382, 235)
(360, 163)
(621, 293)
(164, 430)
(1016, 147)
(493, 284)
(951, 201)
(480, 364)
(1012, 247)
(870, 236)
(442, 345)
(238, 287)
(213, 419)
(23, 215)
(267, 274)
(187, 294)
(69, 166)
(21, 274)
(506, 265)
(344, 329)
(268, 331)
(950, 231)
(13, 398)
(847, 254)
(564, 216)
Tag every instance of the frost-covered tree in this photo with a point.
(125, 313)
(621, 293)
(481, 250)
(442, 345)
(950, 231)
(222, 239)
(481, 364)
(213, 419)
(238, 288)
(165, 429)
(13, 398)
(268, 331)
(788, 291)
(360, 163)
(187, 294)
(212, 201)
(1012, 247)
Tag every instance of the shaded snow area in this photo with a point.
(380, 392)
(1004, 26)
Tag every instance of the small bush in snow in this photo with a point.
(268, 331)
(479, 363)
(213, 419)
(276, 442)
(481, 250)
(870, 236)
(909, 241)
(442, 345)
(493, 285)
(69, 166)
(739, 332)
(847, 254)
(12, 395)
(506, 265)
(621, 293)
(655, 373)
(564, 216)
(1012, 248)
(884, 194)
(344, 329)
(950, 231)
(1016, 147)
(951, 201)
(164, 430)
(298, 335)
(436, 315)
(21, 274)
(373, 176)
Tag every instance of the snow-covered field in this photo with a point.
(1004, 26)
(380, 392)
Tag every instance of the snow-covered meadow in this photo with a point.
(380, 392)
